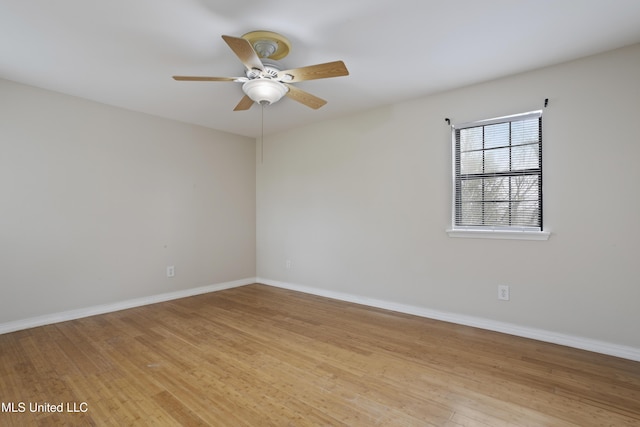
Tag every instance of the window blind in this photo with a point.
(498, 173)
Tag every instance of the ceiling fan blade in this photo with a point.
(244, 104)
(245, 52)
(209, 79)
(312, 72)
(305, 98)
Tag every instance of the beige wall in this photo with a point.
(360, 205)
(96, 201)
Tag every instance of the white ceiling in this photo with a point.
(124, 52)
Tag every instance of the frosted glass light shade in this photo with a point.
(264, 91)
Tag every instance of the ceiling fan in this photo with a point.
(266, 82)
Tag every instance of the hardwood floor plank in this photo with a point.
(258, 355)
(180, 413)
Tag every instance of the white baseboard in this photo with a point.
(48, 319)
(602, 347)
(625, 352)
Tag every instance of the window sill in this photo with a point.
(499, 234)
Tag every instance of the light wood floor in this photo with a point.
(260, 356)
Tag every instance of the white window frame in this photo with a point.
(490, 232)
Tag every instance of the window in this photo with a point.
(497, 173)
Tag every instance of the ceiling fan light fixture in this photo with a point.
(265, 81)
(264, 91)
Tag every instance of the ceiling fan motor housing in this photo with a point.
(270, 71)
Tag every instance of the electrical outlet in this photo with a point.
(288, 264)
(171, 271)
(503, 292)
